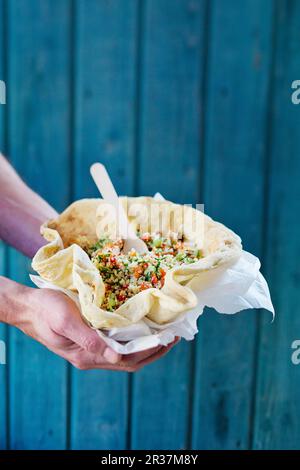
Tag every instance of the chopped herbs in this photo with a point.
(126, 275)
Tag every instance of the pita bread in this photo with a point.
(63, 261)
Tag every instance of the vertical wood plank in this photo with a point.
(235, 129)
(104, 129)
(277, 418)
(169, 160)
(3, 369)
(39, 148)
(105, 92)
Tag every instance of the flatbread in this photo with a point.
(64, 262)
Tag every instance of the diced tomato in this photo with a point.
(154, 279)
(145, 285)
(113, 260)
(162, 272)
(121, 297)
(138, 271)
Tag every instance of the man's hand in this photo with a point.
(49, 316)
(53, 319)
(22, 212)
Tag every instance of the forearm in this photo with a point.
(12, 301)
(21, 212)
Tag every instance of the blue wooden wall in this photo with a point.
(190, 98)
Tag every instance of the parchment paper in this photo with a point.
(228, 290)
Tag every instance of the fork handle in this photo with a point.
(109, 194)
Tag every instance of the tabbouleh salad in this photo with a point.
(125, 275)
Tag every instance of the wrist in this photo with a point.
(14, 301)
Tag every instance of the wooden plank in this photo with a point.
(3, 369)
(105, 92)
(104, 127)
(172, 39)
(277, 418)
(39, 67)
(3, 329)
(235, 129)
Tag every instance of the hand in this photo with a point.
(53, 319)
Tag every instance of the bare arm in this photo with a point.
(22, 212)
(48, 316)
(53, 319)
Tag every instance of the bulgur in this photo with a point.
(125, 275)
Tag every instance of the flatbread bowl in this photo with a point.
(66, 259)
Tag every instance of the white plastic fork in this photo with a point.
(109, 194)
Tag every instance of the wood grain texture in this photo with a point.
(38, 143)
(105, 59)
(191, 98)
(3, 329)
(169, 162)
(104, 80)
(3, 368)
(277, 412)
(235, 128)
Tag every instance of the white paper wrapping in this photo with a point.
(229, 290)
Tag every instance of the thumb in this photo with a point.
(87, 338)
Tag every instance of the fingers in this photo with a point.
(128, 366)
(84, 360)
(62, 330)
(90, 351)
(158, 355)
(91, 343)
(71, 326)
(136, 358)
(160, 352)
(141, 357)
